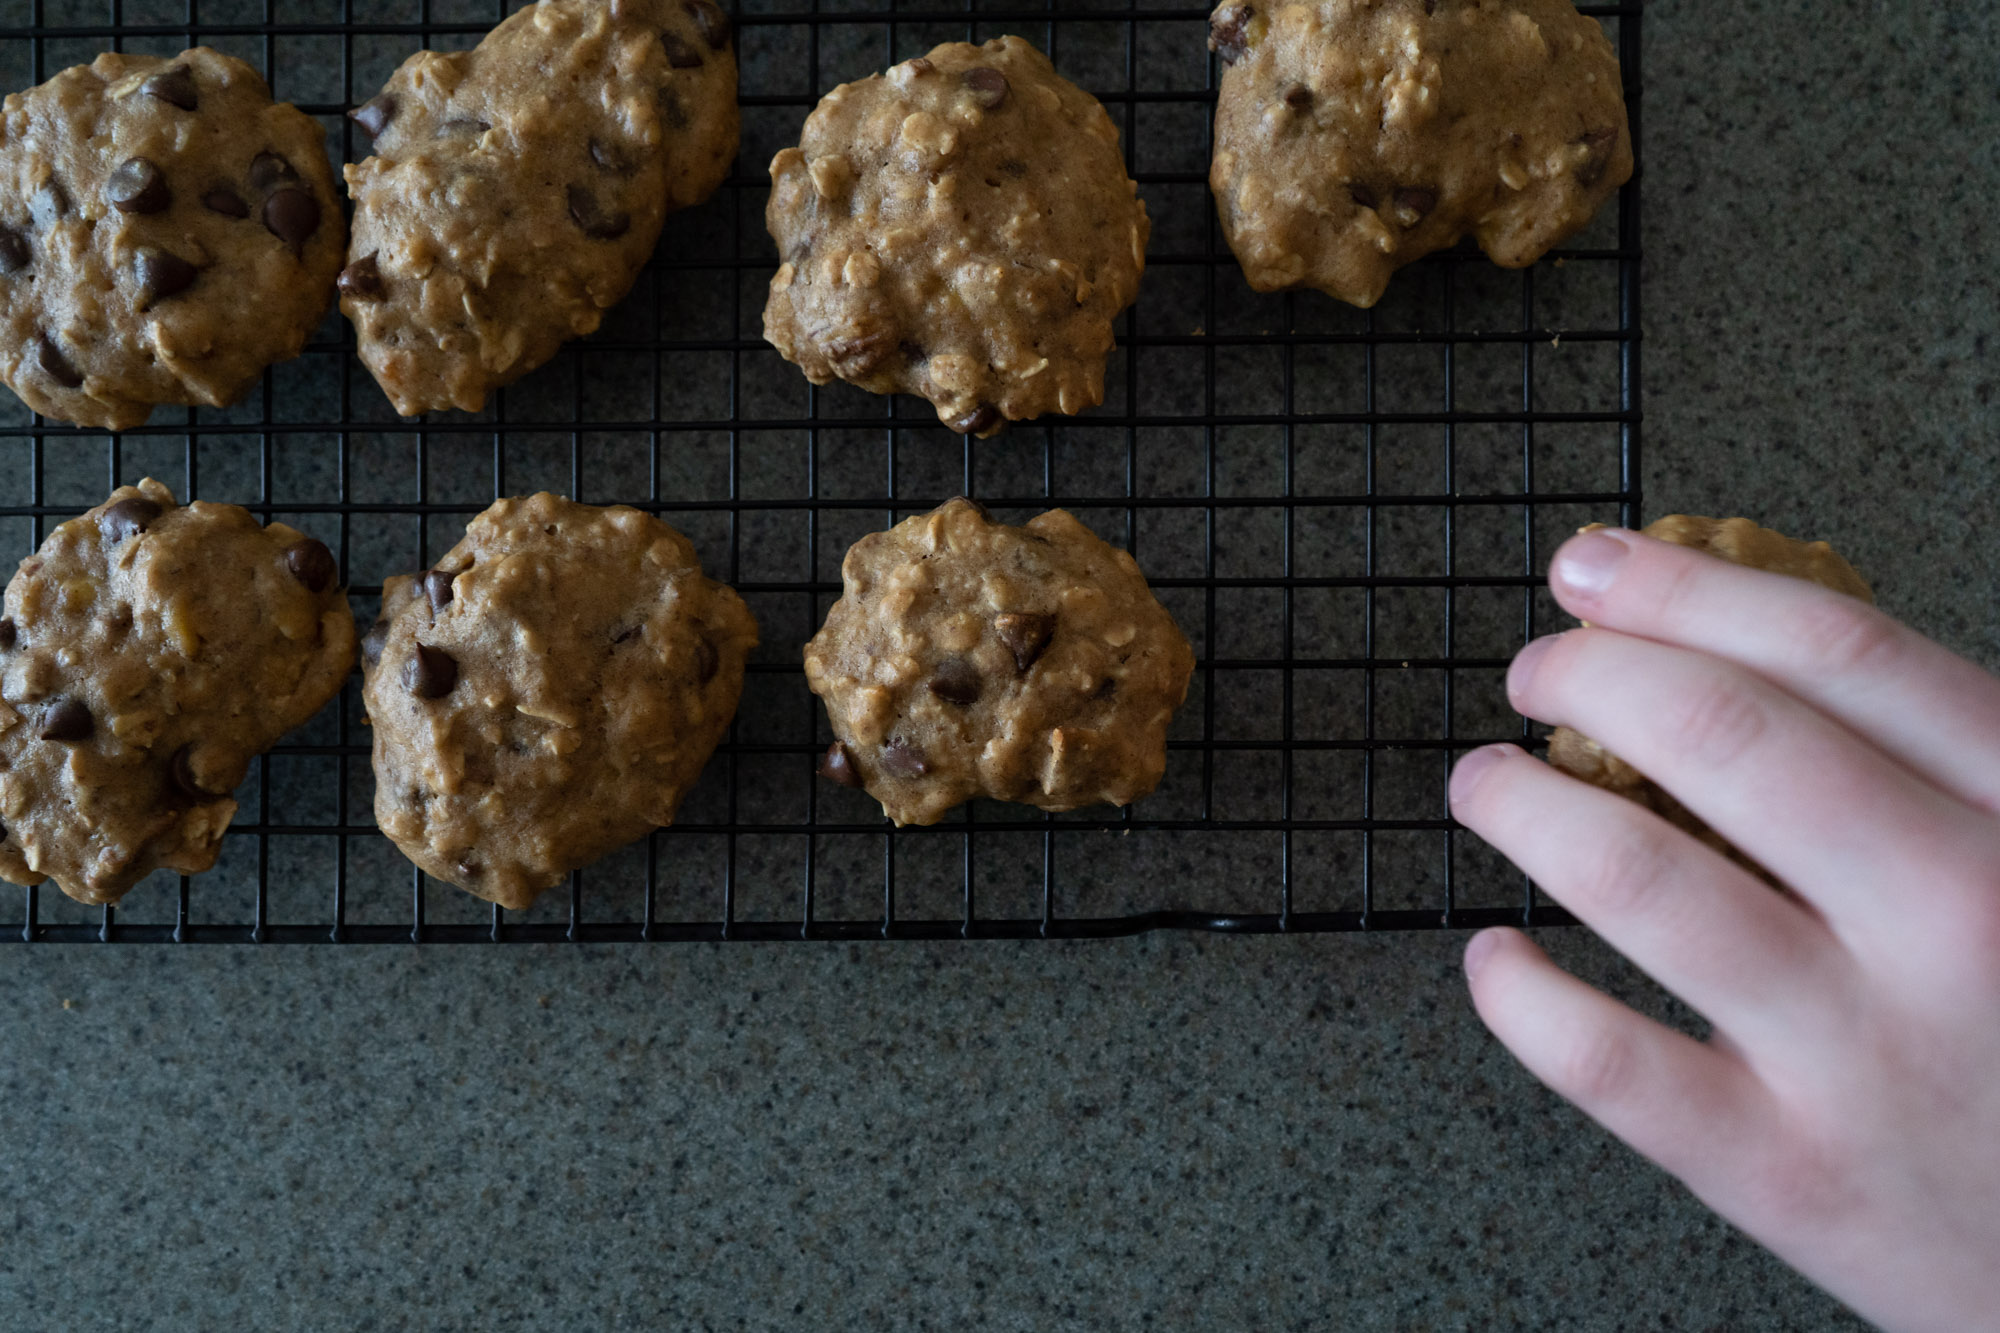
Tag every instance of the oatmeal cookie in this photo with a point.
(166, 232)
(960, 228)
(1744, 543)
(1353, 136)
(971, 658)
(516, 189)
(149, 652)
(547, 693)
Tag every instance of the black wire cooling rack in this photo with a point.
(1346, 510)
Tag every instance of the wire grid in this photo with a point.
(1346, 511)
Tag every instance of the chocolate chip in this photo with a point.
(1598, 145)
(466, 126)
(467, 867)
(225, 201)
(913, 353)
(1299, 98)
(705, 661)
(68, 720)
(900, 759)
(1229, 32)
(919, 65)
(1026, 634)
(54, 364)
(865, 352)
(1014, 167)
(13, 251)
(1362, 195)
(268, 171)
(431, 673)
(836, 765)
(1430, 6)
(437, 588)
(628, 634)
(161, 274)
(137, 186)
(292, 215)
(988, 86)
(372, 641)
(312, 564)
(956, 681)
(680, 55)
(182, 772)
(49, 203)
(173, 85)
(978, 419)
(362, 279)
(126, 518)
(592, 218)
(9, 635)
(714, 24)
(374, 115)
(611, 158)
(1412, 203)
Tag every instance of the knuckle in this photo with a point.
(1841, 635)
(1632, 872)
(1794, 1183)
(1717, 723)
(1599, 1068)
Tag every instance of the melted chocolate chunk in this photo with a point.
(292, 215)
(469, 127)
(714, 24)
(173, 85)
(837, 765)
(127, 518)
(181, 771)
(161, 274)
(13, 251)
(312, 564)
(1362, 195)
(431, 673)
(680, 55)
(374, 115)
(611, 158)
(54, 364)
(1413, 204)
(67, 720)
(225, 201)
(1598, 146)
(1229, 32)
(705, 661)
(49, 204)
(988, 86)
(1026, 634)
(437, 589)
(362, 279)
(978, 419)
(270, 170)
(900, 759)
(593, 219)
(138, 186)
(9, 635)
(956, 681)
(1299, 98)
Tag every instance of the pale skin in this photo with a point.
(1845, 1110)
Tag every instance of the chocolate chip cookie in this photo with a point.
(970, 658)
(149, 652)
(960, 228)
(1743, 542)
(547, 693)
(166, 232)
(517, 188)
(1353, 136)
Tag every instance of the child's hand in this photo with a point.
(1846, 1110)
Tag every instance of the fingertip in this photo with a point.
(1587, 565)
(1471, 770)
(1479, 949)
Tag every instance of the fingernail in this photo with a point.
(1522, 672)
(1465, 776)
(1478, 949)
(1588, 564)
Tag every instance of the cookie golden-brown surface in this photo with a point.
(971, 658)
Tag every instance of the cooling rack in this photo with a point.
(1346, 510)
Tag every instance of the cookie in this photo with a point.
(149, 652)
(1743, 542)
(548, 692)
(166, 232)
(1353, 136)
(960, 228)
(516, 189)
(970, 658)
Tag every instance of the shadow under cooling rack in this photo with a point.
(1346, 510)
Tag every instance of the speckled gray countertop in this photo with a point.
(1161, 1132)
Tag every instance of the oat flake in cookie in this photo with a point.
(1745, 543)
(970, 658)
(166, 232)
(1353, 136)
(547, 693)
(516, 189)
(960, 228)
(149, 652)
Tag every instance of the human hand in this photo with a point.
(1845, 1110)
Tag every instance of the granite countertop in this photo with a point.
(1158, 1132)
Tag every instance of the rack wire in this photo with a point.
(1346, 510)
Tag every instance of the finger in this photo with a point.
(1824, 811)
(1931, 709)
(1753, 961)
(1696, 1112)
